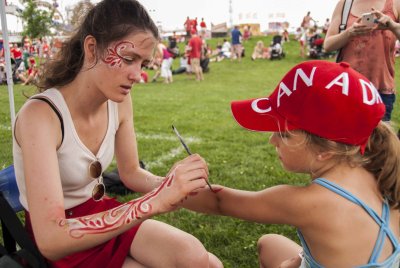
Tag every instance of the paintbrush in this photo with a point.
(187, 150)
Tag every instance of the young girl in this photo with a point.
(66, 136)
(326, 122)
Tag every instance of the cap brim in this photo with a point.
(268, 121)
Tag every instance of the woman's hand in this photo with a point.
(185, 178)
(384, 22)
(358, 29)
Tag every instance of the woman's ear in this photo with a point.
(89, 48)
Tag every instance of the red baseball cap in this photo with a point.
(327, 99)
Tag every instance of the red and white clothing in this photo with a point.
(203, 25)
(16, 53)
(196, 45)
(74, 159)
(166, 63)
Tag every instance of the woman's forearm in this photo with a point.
(395, 28)
(337, 41)
(85, 232)
(141, 180)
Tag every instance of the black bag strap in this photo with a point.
(17, 233)
(343, 23)
(55, 109)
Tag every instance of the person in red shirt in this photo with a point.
(194, 25)
(31, 74)
(195, 54)
(203, 25)
(188, 27)
(144, 77)
(16, 54)
(45, 50)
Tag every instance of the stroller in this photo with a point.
(276, 49)
(17, 67)
(316, 49)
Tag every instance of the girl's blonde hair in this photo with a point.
(381, 158)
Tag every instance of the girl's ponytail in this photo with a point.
(383, 160)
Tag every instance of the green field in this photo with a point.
(201, 112)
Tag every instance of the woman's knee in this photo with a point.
(191, 253)
(170, 247)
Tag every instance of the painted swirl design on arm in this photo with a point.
(114, 218)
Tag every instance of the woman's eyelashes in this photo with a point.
(131, 60)
(127, 59)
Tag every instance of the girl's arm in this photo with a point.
(279, 204)
(38, 133)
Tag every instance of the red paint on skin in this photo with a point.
(216, 190)
(114, 218)
(113, 57)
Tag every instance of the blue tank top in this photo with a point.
(382, 221)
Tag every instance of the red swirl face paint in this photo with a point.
(113, 56)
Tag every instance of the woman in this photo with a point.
(66, 136)
(369, 50)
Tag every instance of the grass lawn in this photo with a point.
(201, 112)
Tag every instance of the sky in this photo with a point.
(171, 14)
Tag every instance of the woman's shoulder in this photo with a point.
(37, 120)
(125, 109)
(35, 109)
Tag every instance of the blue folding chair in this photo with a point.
(9, 188)
(27, 254)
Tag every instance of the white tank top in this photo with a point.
(74, 157)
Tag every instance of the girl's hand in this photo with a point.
(383, 21)
(185, 178)
(358, 29)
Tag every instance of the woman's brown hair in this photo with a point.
(108, 21)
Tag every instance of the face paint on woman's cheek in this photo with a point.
(113, 57)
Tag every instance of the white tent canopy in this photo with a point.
(6, 45)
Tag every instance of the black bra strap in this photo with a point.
(49, 102)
